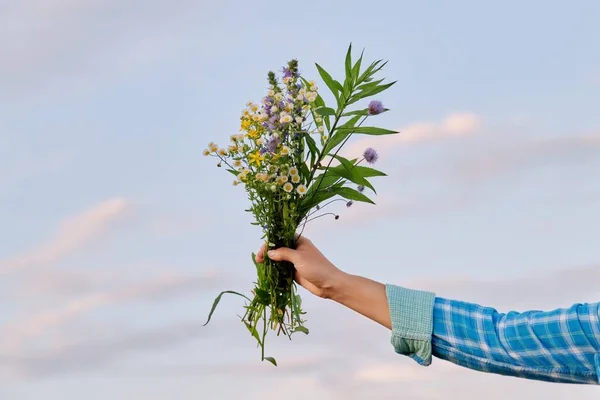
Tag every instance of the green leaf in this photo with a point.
(341, 133)
(234, 172)
(271, 360)
(368, 172)
(260, 267)
(369, 93)
(349, 62)
(218, 299)
(301, 329)
(351, 194)
(322, 181)
(304, 170)
(325, 111)
(263, 296)
(254, 333)
(368, 130)
(362, 112)
(314, 151)
(370, 85)
(331, 83)
(317, 197)
(356, 68)
(368, 72)
(350, 172)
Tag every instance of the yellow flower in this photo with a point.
(213, 147)
(245, 124)
(206, 152)
(253, 134)
(259, 141)
(301, 189)
(293, 171)
(235, 183)
(222, 152)
(254, 107)
(285, 151)
(256, 158)
(282, 179)
(237, 163)
(288, 187)
(295, 179)
(233, 149)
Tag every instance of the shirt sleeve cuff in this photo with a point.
(411, 312)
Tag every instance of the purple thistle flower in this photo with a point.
(370, 155)
(375, 107)
(360, 188)
(287, 73)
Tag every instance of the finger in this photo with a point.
(260, 256)
(283, 254)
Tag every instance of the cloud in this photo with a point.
(87, 356)
(523, 154)
(58, 41)
(14, 334)
(72, 234)
(453, 126)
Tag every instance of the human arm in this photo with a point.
(559, 346)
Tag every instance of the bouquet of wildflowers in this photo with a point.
(286, 157)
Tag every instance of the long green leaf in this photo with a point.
(332, 84)
(254, 333)
(367, 130)
(369, 93)
(356, 68)
(325, 111)
(351, 175)
(218, 299)
(312, 147)
(348, 62)
(352, 194)
(363, 112)
(368, 172)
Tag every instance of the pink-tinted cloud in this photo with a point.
(453, 126)
(73, 233)
(13, 334)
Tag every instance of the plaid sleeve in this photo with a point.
(562, 345)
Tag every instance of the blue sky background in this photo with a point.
(116, 233)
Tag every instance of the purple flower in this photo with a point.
(268, 125)
(360, 188)
(375, 107)
(272, 143)
(370, 155)
(287, 73)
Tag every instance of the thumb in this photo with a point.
(282, 254)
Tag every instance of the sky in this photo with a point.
(116, 234)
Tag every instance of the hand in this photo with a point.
(314, 271)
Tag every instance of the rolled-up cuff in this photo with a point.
(411, 312)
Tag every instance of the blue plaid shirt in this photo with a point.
(562, 345)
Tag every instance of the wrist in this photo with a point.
(337, 286)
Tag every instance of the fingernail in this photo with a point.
(271, 253)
